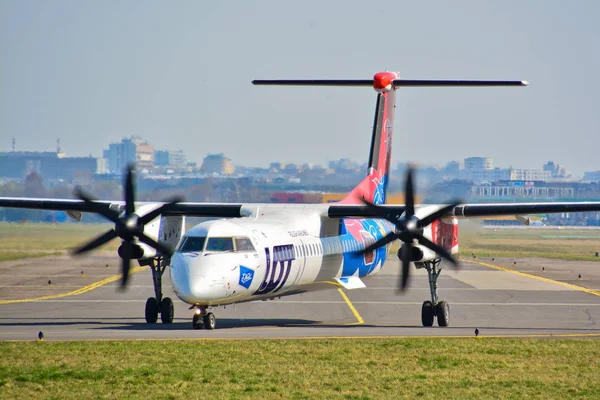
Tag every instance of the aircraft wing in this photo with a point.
(229, 210)
(223, 210)
(469, 210)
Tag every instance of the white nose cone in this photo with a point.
(188, 282)
(195, 281)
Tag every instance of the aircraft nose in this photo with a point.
(192, 282)
(193, 289)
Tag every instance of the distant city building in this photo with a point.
(291, 169)
(452, 167)
(277, 166)
(170, 158)
(593, 176)
(343, 164)
(479, 163)
(529, 175)
(487, 175)
(556, 170)
(131, 150)
(217, 164)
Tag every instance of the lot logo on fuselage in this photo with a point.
(277, 273)
(246, 276)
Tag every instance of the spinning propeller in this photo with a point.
(129, 226)
(409, 229)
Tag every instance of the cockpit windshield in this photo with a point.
(219, 244)
(192, 244)
(243, 244)
(215, 244)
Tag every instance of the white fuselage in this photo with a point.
(289, 253)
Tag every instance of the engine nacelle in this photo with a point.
(418, 253)
(136, 251)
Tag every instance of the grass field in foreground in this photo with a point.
(302, 369)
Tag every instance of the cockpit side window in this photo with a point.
(192, 244)
(219, 244)
(243, 244)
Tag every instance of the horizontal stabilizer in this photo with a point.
(315, 82)
(395, 82)
(411, 82)
(351, 282)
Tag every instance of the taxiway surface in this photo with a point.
(533, 297)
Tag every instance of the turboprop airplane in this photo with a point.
(266, 251)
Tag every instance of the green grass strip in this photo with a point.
(466, 368)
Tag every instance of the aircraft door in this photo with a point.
(300, 261)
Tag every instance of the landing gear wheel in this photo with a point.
(443, 313)
(151, 310)
(197, 322)
(427, 313)
(167, 311)
(210, 321)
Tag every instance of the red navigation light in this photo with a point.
(382, 81)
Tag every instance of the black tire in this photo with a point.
(427, 313)
(210, 321)
(151, 310)
(197, 322)
(167, 311)
(443, 313)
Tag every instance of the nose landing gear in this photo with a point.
(203, 318)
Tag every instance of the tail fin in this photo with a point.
(374, 187)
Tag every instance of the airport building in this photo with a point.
(49, 165)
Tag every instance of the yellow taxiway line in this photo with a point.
(512, 271)
(74, 292)
(359, 320)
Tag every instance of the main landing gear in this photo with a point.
(434, 308)
(158, 305)
(203, 318)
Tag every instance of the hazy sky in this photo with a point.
(178, 74)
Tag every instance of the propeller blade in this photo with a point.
(161, 210)
(125, 267)
(438, 249)
(381, 242)
(97, 242)
(151, 242)
(409, 198)
(405, 266)
(438, 214)
(107, 213)
(129, 191)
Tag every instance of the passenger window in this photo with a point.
(192, 244)
(243, 245)
(219, 244)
